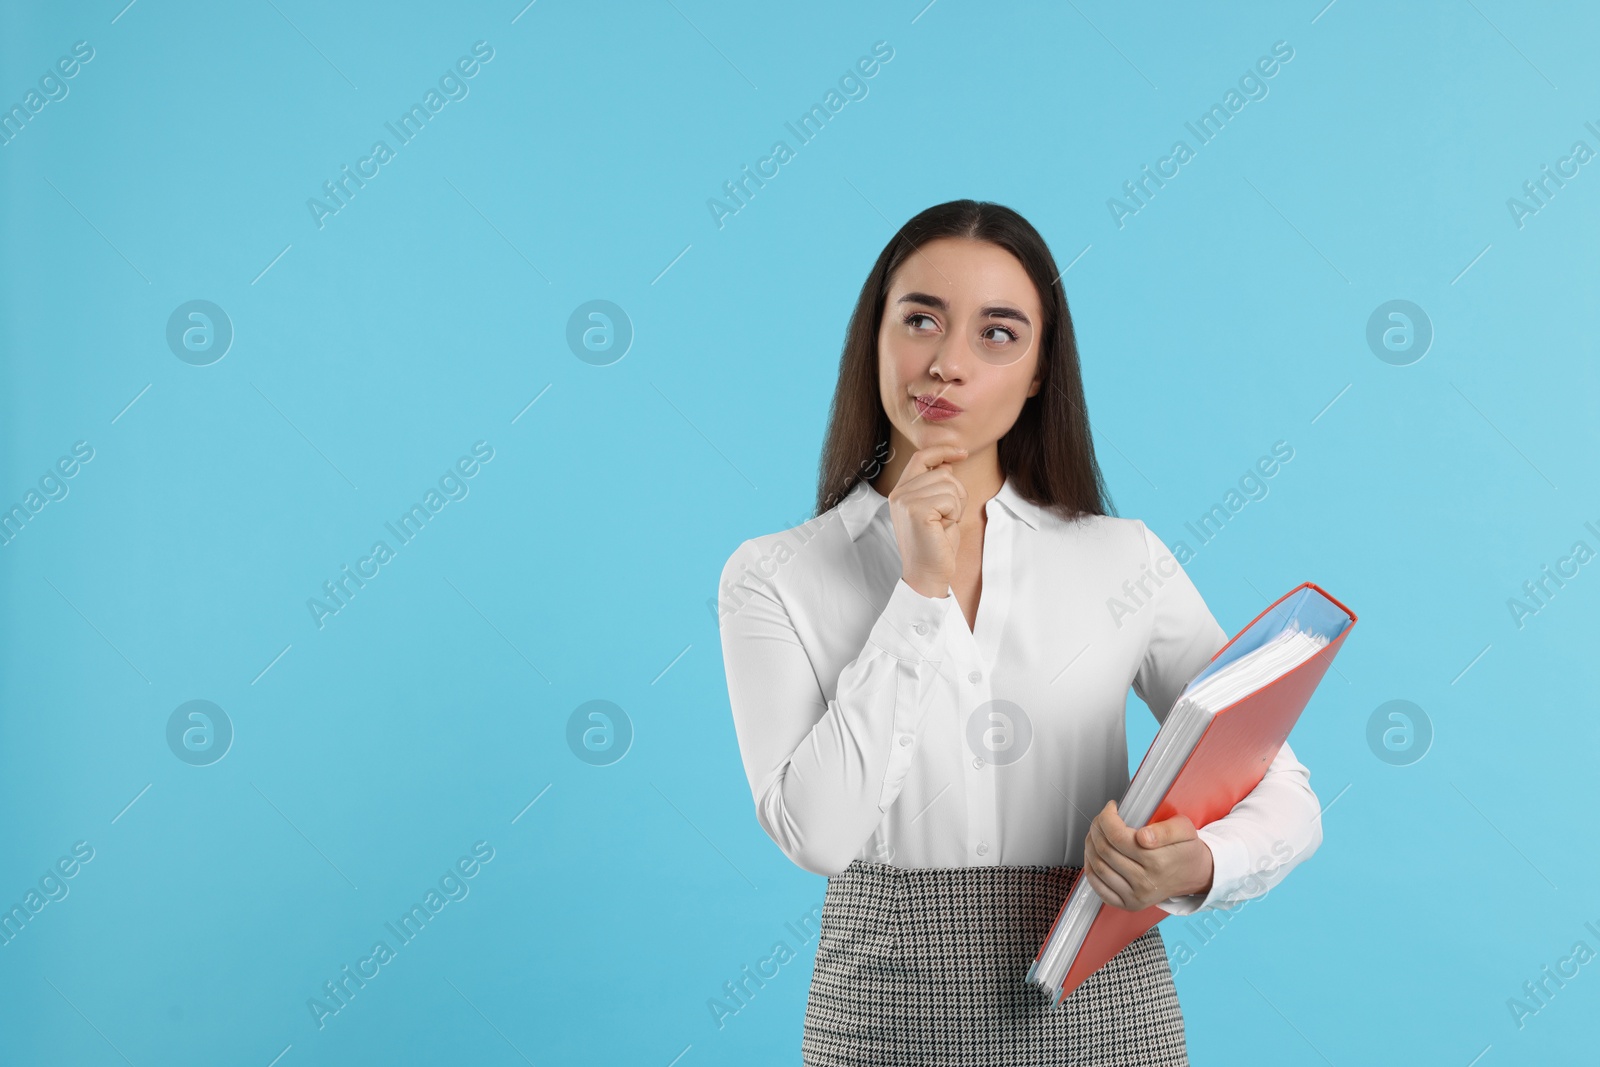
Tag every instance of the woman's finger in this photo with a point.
(926, 459)
(1129, 866)
(1095, 861)
(1101, 890)
(938, 476)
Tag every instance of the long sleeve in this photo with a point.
(822, 773)
(1278, 824)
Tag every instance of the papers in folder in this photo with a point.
(1213, 748)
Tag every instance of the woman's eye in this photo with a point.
(911, 319)
(1010, 335)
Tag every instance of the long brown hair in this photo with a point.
(1048, 454)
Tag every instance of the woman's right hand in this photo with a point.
(926, 507)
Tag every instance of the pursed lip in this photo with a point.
(929, 400)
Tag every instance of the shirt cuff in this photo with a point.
(911, 623)
(1229, 864)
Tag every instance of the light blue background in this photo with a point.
(1228, 314)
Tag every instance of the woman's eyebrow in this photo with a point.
(993, 311)
(924, 298)
(1004, 311)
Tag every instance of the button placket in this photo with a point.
(1007, 556)
(980, 778)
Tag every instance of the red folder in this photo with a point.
(1228, 761)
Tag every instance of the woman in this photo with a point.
(928, 681)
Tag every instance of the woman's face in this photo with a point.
(962, 323)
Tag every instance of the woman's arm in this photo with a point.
(1275, 826)
(822, 773)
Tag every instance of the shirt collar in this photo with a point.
(863, 504)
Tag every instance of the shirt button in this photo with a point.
(983, 848)
(977, 761)
(922, 627)
(975, 677)
(905, 739)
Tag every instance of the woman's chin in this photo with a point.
(929, 434)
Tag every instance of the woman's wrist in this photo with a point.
(922, 585)
(1203, 870)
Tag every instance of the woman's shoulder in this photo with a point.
(818, 540)
(1112, 542)
(1094, 529)
(1115, 542)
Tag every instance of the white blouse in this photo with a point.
(874, 724)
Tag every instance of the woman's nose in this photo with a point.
(948, 361)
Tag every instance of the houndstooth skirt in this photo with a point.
(927, 966)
